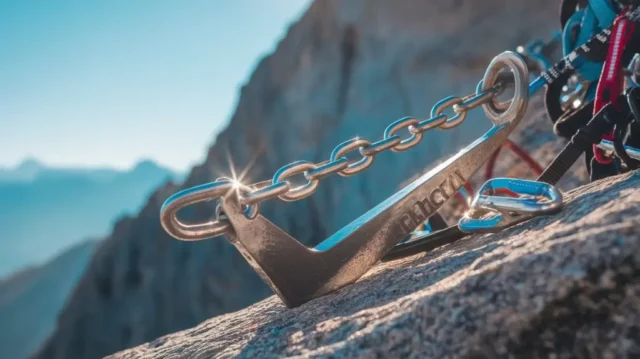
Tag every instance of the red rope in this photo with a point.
(520, 152)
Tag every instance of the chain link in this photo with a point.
(280, 186)
(292, 169)
(444, 104)
(400, 124)
(349, 146)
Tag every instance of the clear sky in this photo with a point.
(110, 82)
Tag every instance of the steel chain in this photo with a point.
(281, 186)
(339, 164)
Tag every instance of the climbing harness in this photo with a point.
(584, 22)
(408, 222)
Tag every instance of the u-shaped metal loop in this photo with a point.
(187, 197)
(491, 213)
(518, 104)
(198, 194)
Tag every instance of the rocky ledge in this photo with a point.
(559, 286)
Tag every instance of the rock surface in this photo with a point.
(560, 286)
(346, 68)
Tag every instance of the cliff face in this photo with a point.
(346, 68)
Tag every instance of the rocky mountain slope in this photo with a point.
(44, 210)
(346, 68)
(563, 286)
(31, 299)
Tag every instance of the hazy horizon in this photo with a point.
(110, 84)
(27, 161)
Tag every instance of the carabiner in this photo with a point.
(491, 213)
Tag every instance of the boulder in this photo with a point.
(558, 286)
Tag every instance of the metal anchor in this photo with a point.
(298, 274)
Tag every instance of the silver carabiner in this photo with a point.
(492, 213)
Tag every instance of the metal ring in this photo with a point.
(398, 125)
(518, 105)
(346, 147)
(187, 197)
(293, 169)
(444, 104)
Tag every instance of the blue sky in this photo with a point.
(111, 82)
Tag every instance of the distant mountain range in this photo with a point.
(44, 210)
(31, 299)
(31, 169)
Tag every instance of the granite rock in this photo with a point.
(559, 286)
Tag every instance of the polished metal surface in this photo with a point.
(491, 213)
(493, 109)
(298, 274)
(280, 187)
(574, 93)
(202, 193)
(631, 151)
